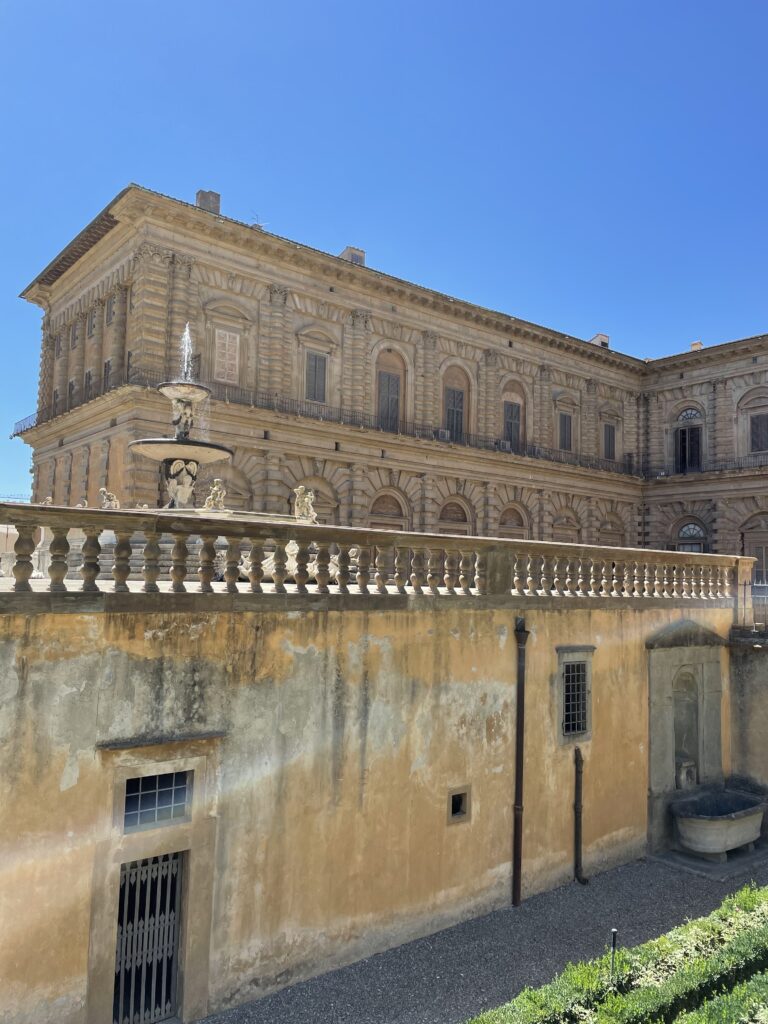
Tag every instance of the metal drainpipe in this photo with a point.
(578, 873)
(521, 636)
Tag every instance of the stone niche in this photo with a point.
(685, 688)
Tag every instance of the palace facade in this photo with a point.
(400, 407)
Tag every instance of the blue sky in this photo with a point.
(591, 166)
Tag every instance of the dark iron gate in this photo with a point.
(147, 940)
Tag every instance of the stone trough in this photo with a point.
(712, 823)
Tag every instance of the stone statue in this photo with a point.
(47, 501)
(82, 504)
(303, 507)
(181, 417)
(108, 499)
(215, 500)
(180, 479)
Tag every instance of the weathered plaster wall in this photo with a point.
(328, 736)
(749, 711)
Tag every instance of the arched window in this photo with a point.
(455, 402)
(691, 537)
(688, 441)
(512, 524)
(390, 389)
(453, 519)
(753, 423)
(754, 538)
(611, 534)
(387, 513)
(566, 529)
(513, 411)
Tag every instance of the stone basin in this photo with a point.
(715, 822)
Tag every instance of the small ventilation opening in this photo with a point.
(458, 805)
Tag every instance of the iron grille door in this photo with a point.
(147, 940)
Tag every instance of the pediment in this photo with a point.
(685, 633)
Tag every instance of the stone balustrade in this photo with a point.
(250, 553)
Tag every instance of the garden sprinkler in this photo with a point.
(614, 933)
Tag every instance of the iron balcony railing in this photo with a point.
(270, 400)
(755, 460)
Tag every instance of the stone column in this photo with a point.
(543, 410)
(119, 332)
(94, 354)
(427, 384)
(489, 398)
(77, 359)
(275, 362)
(657, 432)
(488, 518)
(149, 319)
(429, 510)
(45, 380)
(722, 440)
(64, 477)
(590, 442)
(359, 326)
(631, 437)
(80, 475)
(102, 469)
(60, 372)
(591, 526)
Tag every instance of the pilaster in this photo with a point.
(590, 444)
(149, 319)
(358, 327)
(45, 380)
(77, 359)
(94, 351)
(429, 511)
(357, 511)
(427, 384)
(275, 371)
(489, 420)
(723, 439)
(275, 489)
(179, 312)
(543, 410)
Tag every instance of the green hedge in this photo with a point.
(658, 977)
(736, 1007)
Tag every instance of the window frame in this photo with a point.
(512, 424)
(763, 428)
(230, 335)
(452, 411)
(609, 449)
(311, 357)
(568, 655)
(565, 431)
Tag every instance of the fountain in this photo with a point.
(181, 457)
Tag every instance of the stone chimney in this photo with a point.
(353, 255)
(696, 346)
(602, 340)
(210, 201)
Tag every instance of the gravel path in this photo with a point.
(448, 977)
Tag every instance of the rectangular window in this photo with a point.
(566, 432)
(389, 401)
(109, 309)
(512, 423)
(454, 413)
(107, 372)
(70, 394)
(687, 449)
(154, 800)
(226, 366)
(315, 390)
(758, 432)
(88, 385)
(91, 327)
(73, 334)
(575, 698)
(609, 441)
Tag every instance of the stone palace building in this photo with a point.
(400, 407)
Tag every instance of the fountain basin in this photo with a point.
(715, 822)
(184, 391)
(161, 448)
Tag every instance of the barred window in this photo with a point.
(156, 800)
(575, 697)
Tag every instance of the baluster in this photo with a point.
(628, 580)
(617, 579)
(580, 592)
(568, 585)
(342, 572)
(434, 569)
(481, 572)
(151, 568)
(656, 585)
(382, 569)
(23, 549)
(121, 568)
(546, 587)
(712, 583)
(694, 577)
(675, 580)
(594, 583)
(684, 582)
(179, 555)
(556, 588)
(401, 569)
(256, 570)
(418, 577)
(301, 575)
(517, 574)
(604, 591)
(279, 572)
(207, 567)
(647, 589)
(720, 580)
(704, 582)
(363, 575)
(665, 581)
(322, 568)
(59, 549)
(89, 570)
(451, 577)
(232, 564)
(637, 579)
(728, 575)
(466, 574)
(530, 585)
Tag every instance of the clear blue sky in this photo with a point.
(591, 166)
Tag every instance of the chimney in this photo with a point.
(353, 255)
(696, 346)
(602, 340)
(210, 201)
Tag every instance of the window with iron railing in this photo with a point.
(389, 400)
(454, 413)
(512, 417)
(315, 376)
(566, 432)
(758, 432)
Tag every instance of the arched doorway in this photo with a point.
(387, 513)
(454, 518)
(512, 524)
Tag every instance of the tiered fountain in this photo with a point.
(181, 457)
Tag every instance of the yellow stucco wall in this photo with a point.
(331, 739)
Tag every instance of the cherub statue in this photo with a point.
(108, 499)
(82, 504)
(181, 417)
(180, 480)
(303, 507)
(215, 500)
(47, 501)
